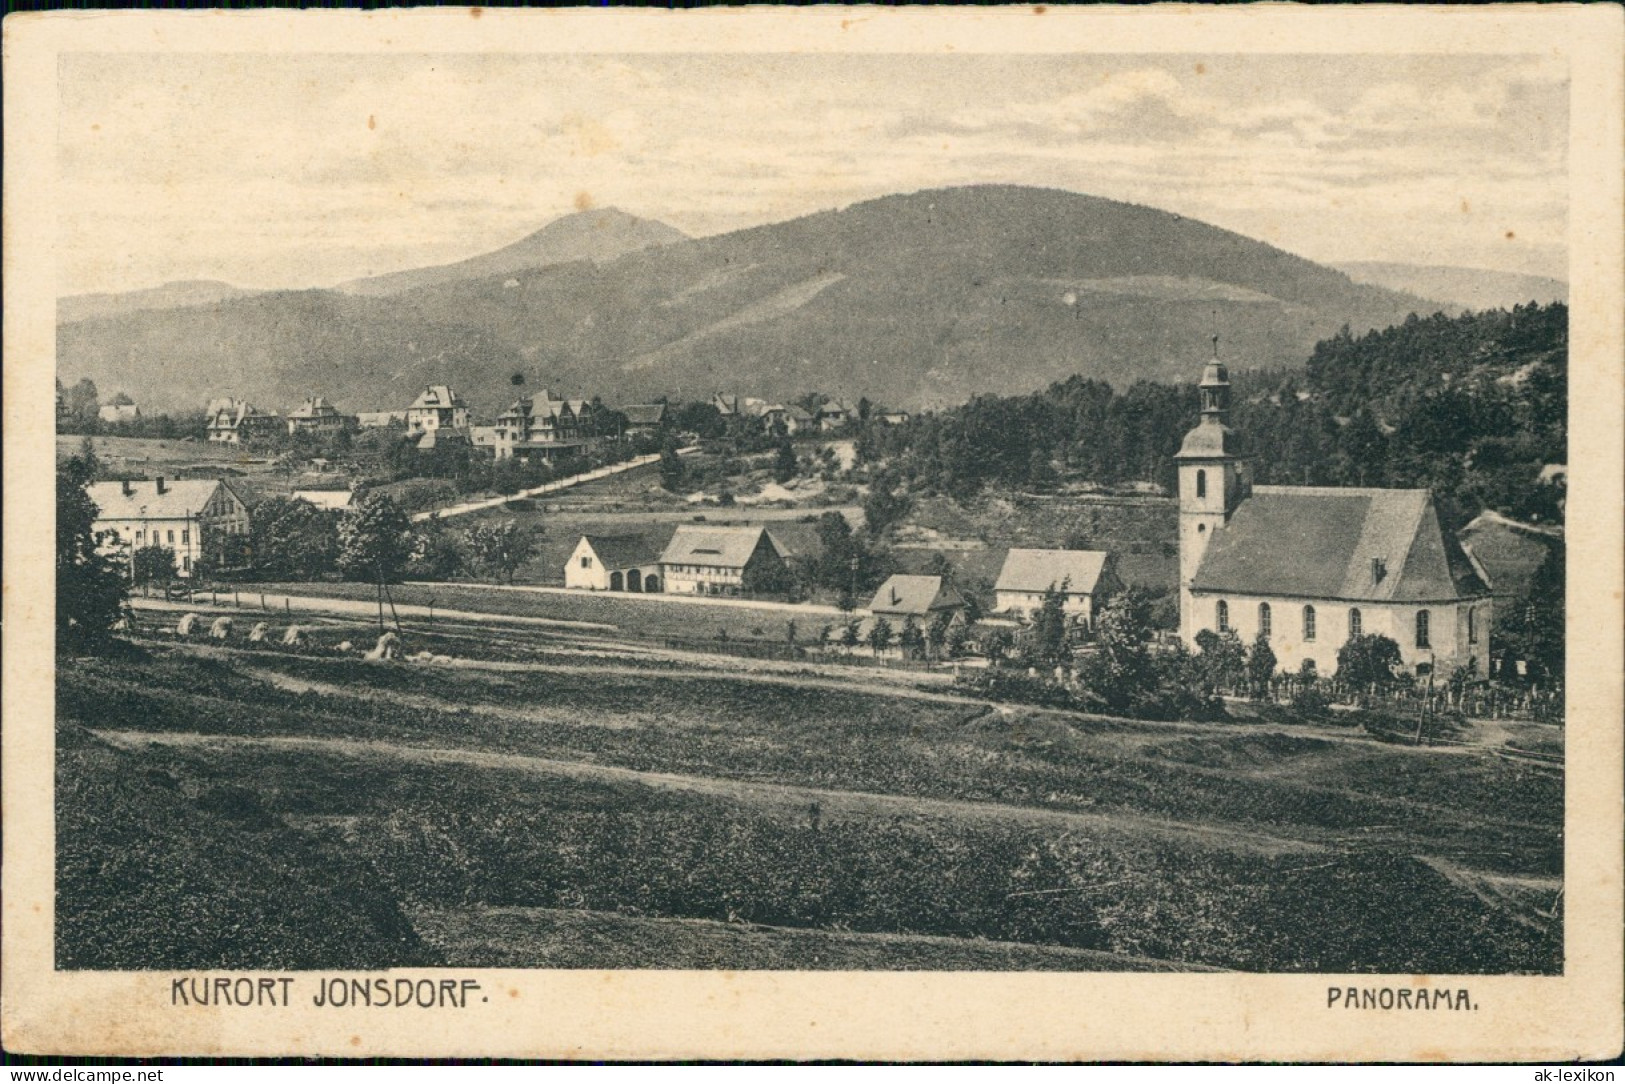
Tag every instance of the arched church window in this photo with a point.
(1423, 619)
(1264, 620)
(1201, 483)
(1356, 625)
(1308, 622)
(1221, 614)
(1472, 626)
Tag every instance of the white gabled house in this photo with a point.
(614, 563)
(720, 560)
(135, 515)
(1079, 575)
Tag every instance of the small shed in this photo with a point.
(919, 597)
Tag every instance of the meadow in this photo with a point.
(576, 809)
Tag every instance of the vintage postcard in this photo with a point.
(1061, 534)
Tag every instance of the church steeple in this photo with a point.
(1215, 389)
(1213, 477)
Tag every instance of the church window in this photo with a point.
(1356, 626)
(1264, 620)
(1222, 612)
(1472, 626)
(1308, 622)
(1422, 621)
(1201, 483)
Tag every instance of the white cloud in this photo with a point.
(315, 170)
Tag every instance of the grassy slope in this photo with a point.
(160, 866)
(1171, 858)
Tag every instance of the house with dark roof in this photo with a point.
(436, 407)
(1079, 576)
(614, 563)
(1311, 567)
(702, 560)
(133, 515)
(919, 597)
(644, 418)
(236, 421)
(836, 414)
(317, 415)
(542, 427)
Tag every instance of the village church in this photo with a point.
(1310, 567)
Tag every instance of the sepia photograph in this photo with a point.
(879, 511)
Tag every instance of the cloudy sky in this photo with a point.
(279, 171)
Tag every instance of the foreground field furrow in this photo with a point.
(830, 801)
(848, 740)
(571, 810)
(552, 938)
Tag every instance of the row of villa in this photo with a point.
(534, 426)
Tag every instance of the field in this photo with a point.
(559, 802)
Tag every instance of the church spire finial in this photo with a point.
(1215, 346)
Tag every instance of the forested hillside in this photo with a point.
(1472, 406)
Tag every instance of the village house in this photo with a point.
(702, 560)
(328, 500)
(888, 416)
(1079, 576)
(119, 412)
(436, 407)
(1311, 567)
(614, 563)
(836, 414)
(236, 421)
(644, 419)
(317, 416)
(542, 427)
(135, 515)
(381, 419)
(921, 597)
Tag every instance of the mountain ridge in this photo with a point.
(1466, 288)
(915, 299)
(596, 236)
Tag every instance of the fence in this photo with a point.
(1477, 701)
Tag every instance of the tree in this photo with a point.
(767, 577)
(1049, 623)
(937, 633)
(884, 504)
(672, 470)
(81, 400)
(849, 635)
(502, 547)
(153, 564)
(437, 554)
(375, 540)
(1260, 665)
(90, 588)
(1368, 660)
(1221, 660)
(293, 539)
(938, 564)
(954, 638)
(880, 635)
(911, 639)
(997, 644)
(784, 461)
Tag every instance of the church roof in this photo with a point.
(1372, 545)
